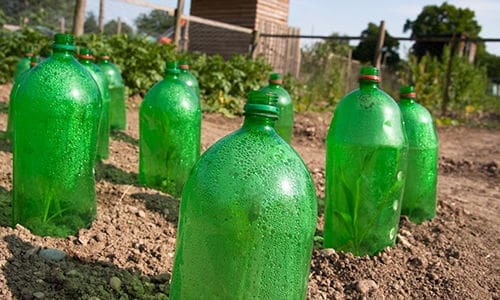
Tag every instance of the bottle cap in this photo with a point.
(64, 41)
(86, 53)
(172, 68)
(35, 59)
(276, 78)
(183, 64)
(407, 91)
(369, 74)
(28, 52)
(262, 103)
(103, 56)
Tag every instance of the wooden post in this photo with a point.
(255, 43)
(178, 17)
(347, 80)
(185, 37)
(101, 16)
(62, 25)
(447, 82)
(79, 18)
(119, 26)
(380, 43)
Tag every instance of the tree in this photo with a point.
(90, 25)
(155, 23)
(38, 12)
(441, 21)
(111, 26)
(365, 51)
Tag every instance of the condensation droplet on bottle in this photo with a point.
(395, 205)
(392, 233)
(400, 175)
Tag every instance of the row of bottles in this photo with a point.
(248, 209)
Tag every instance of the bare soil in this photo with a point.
(128, 251)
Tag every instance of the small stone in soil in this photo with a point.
(141, 214)
(38, 295)
(52, 254)
(115, 283)
(366, 286)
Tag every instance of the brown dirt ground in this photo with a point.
(455, 256)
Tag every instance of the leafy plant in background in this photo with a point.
(467, 88)
(223, 83)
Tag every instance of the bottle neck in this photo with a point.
(104, 61)
(407, 100)
(368, 84)
(171, 75)
(259, 121)
(84, 61)
(274, 85)
(57, 52)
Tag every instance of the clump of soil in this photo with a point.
(128, 251)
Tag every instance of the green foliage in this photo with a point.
(365, 51)
(323, 73)
(445, 20)
(38, 12)
(141, 61)
(11, 51)
(467, 88)
(90, 25)
(492, 64)
(111, 28)
(155, 23)
(223, 83)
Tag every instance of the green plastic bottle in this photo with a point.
(365, 170)
(284, 125)
(188, 78)
(86, 58)
(56, 121)
(247, 216)
(23, 64)
(117, 109)
(419, 200)
(170, 133)
(34, 60)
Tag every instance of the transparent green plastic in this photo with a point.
(365, 170)
(419, 200)
(247, 217)
(170, 134)
(22, 65)
(9, 132)
(117, 108)
(284, 125)
(86, 59)
(188, 78)
(56, 122)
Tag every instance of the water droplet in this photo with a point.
(392, 233)
(395, 205)
(400, 175)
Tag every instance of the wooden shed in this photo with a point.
(264, 16)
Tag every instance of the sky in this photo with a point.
(324, 17)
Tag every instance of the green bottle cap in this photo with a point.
(172, 68)
(183, 64)
(262, 103)
(28, 52)
(86, 53)
(35, 59)
(276, 78)
(407, 91)
(370, 74)
(64, 41)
